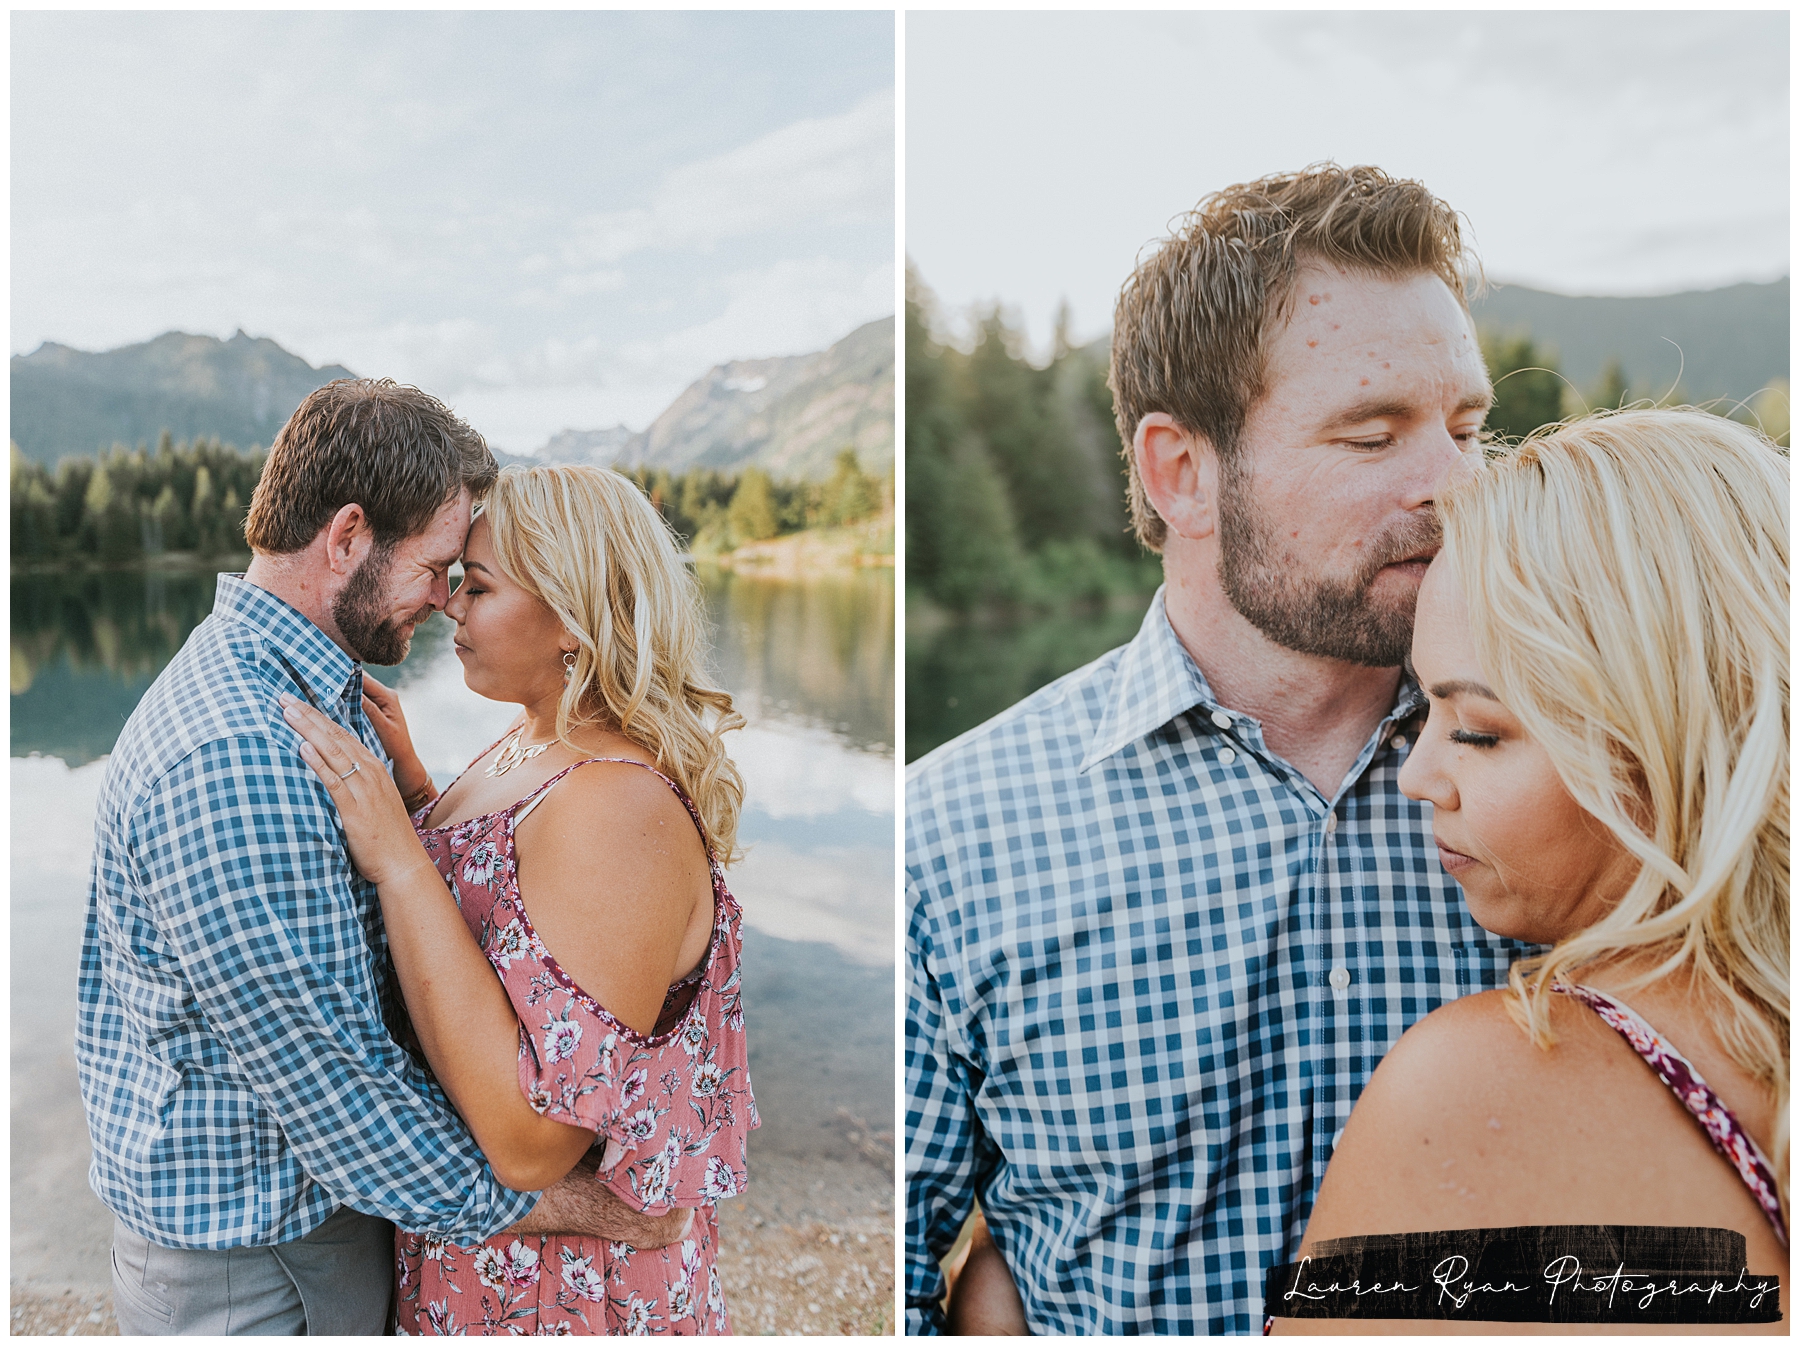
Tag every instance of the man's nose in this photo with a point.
(1438, 457)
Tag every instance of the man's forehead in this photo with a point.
(1334, 303)
(1378, 341)
(445, 536)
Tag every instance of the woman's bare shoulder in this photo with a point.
(617, 823)
(615, 877)
(1463, 1048)
(1451, 1116)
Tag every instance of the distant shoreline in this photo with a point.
(185, 562)
(812, 551)
(815, 551)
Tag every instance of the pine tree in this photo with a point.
(849, 495)
(1528, 390)
(751, 517)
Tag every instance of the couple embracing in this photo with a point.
(1420, 866)
(352, 1050)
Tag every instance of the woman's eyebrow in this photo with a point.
(1445, 690)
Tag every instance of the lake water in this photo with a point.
(966, 671)
(811, 663)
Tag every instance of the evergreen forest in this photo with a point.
(129, 505)
(1015, 486)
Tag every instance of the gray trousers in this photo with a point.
(337, 1281)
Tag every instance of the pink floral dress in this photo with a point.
(674, 1110)
(1718, 1121)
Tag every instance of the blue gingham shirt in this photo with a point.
(1150, 969)
(240, 1081)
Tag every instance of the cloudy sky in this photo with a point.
(1605, 152)
(552, 220)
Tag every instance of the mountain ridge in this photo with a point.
(788, 414)
(69, 402)
(1729, 342)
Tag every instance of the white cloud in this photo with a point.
(494, 206)
(813, 172)
(1567, 139)
(794, 306)
(589, 381)
(446, 358)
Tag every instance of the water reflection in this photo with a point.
(966, 672)
(85, 648)
(810, 663)
(820, 649)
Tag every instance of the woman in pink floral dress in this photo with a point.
(559, 919)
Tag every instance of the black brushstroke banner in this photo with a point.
(1618, 1274)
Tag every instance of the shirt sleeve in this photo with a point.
(946, 1149)
(241, 863)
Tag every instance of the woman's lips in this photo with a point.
(1452, 861)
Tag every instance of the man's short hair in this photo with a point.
(1193, 324)
(399, 453)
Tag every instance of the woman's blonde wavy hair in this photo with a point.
(593, 549)
(1627, 584)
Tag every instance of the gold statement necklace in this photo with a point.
(512, 755)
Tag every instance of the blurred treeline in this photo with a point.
(714, 511)
(1015, 489)
(1015, 496)
(180, 497)
(1530, 391)
(133, 503)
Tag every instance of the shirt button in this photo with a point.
(1399, 740)
(1331, 821)
(1221, 719)
(1227, 756)
(1340, 978)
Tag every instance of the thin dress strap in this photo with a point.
(1718, 1121)
(424, 810)
(532, 800)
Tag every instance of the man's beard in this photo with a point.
(1331, 618)
(360, 612)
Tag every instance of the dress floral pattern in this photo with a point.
(1718, 1121)
(674, 1110)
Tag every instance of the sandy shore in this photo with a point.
(813, 1252)
(827, 1268)
(808, 1250)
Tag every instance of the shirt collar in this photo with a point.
(327, 673)
(1158, 680)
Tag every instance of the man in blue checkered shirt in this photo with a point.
(255, 1124)
(1168, 913)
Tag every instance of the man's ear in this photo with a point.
(1180, 473)
(348, 539)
